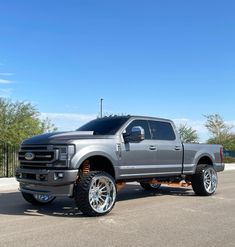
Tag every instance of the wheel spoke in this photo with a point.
(103, 188)
(210, 180)
(101, 199)
(102, 194)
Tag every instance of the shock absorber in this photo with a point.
(86, 167)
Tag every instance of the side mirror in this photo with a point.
(137, 135)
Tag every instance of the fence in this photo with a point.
(8, 159)
(229, 153)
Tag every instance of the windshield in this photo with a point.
(104, 126)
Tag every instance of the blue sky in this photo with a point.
(171, 58)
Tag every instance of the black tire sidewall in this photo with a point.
(82, 189)
(198, 180)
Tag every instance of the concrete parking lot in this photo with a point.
(172, 217)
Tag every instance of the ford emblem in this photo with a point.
(29, 156)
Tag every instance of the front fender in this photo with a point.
(90, 151)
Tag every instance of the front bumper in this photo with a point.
(43, 181)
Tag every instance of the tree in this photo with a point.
(221, 133)
(188, 134)
(20, 120)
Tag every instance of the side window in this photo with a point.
(162, 131)
(143, 124)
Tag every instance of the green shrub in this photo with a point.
(228, 159)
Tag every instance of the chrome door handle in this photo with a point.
(177, 148)
(152, 147)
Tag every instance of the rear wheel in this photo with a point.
(150, 187)
(38, 199)
(95, 193)
(205, 180)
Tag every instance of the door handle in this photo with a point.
(152, 147)
(177, 148)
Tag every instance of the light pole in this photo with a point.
(101, 107)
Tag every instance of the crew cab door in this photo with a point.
(169, 150)
(137, 158)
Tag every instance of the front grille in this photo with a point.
(35, 166)
(35, 147)
(28, 176)
(37, 156)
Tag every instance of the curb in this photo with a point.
(229, 167)
(8, 184)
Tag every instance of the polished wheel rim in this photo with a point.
(155, 186)
(102, 194)
(210, 180)
(43, 197)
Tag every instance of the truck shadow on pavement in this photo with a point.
(134, 191)
(12, 203)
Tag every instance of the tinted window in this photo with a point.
(143, 124)
(162, 130)
(104, 126)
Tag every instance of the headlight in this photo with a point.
(66, 152)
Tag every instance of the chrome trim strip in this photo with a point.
(147, 174)
(149, 166)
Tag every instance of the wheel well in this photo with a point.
(100, 163)
(205, 160)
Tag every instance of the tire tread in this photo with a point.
(198, 181)
(82, 191)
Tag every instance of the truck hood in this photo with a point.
(63, 137)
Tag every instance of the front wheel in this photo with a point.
(95, 193)
(205, 180)
(38, 199)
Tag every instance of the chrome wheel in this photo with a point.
(210, 180)
(102, 194)
(155, 186)
(150, 187)
(43, 198)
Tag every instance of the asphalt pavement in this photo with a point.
(171, 217)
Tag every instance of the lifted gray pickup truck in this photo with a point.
(92, 163)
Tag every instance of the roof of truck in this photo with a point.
(136, 116)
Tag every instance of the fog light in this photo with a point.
(58, 175)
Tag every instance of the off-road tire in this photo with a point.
(82, 190)
(198, 180)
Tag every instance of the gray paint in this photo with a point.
(147, 158)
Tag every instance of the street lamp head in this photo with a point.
(101, 107)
